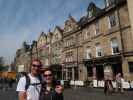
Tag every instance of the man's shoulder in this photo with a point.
(24, 77)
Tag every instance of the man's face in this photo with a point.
(48, 76)
(35, 68)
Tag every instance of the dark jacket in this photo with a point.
(50, 95)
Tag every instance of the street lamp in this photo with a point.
(34, 43)
(31, 48)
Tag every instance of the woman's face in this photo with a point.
(48, 76)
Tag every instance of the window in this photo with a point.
(98, 50)
(130, 67)
(88, 53)
(69, 73)
(92, 11)
(89, 71)
(90, 14)
(109, 2)
(67, 43)
(114, 46)
(46, 62)
(97, 27)
(69, 56)
(56, 37)
(66, 57)
(112, 20)
(86, 34)
(76, 73)
(78, 39)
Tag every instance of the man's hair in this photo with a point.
(37, 60)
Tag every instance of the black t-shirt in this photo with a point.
(49, 95)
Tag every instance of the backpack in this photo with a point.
(28, 83)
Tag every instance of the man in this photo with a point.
(33, 90)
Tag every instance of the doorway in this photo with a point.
(99, 72)
(117, 68)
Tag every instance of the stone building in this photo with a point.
(43, 49)
(97, 46)
(23, 58)
(56, 51)
(130, 9)
(108, 47)
(56, 45)
(70, 53)
(34, 50)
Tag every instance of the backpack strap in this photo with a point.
(27, 81)
(40, 78)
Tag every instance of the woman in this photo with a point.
(51, 89)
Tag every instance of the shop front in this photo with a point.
(103, 67)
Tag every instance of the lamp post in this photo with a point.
(62, 71)
(36, 48)
(31, 48)
(34, 43)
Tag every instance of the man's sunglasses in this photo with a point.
(46, 75)
(36, 65)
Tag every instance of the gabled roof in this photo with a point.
(72, 18)
(70, 24)
(42, 35)
(61, 30)
(49, 33)
(85, 19)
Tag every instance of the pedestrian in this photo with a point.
(10, 83)
(108, 87)
(29, 86)
(51, 89)
(119, 81)
(0, 83)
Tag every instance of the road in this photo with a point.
(95, 94)
(76, 94)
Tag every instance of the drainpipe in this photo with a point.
(122, 43)
(121, 36)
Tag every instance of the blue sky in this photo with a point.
(24, 20)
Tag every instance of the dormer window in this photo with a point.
(112, 20)
(56, 36)
(90, 13)
(91, 10)
(97, 27)
(86, 34)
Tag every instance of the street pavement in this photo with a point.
(95, 94)
(76, 94)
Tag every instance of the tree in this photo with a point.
(2, 63)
